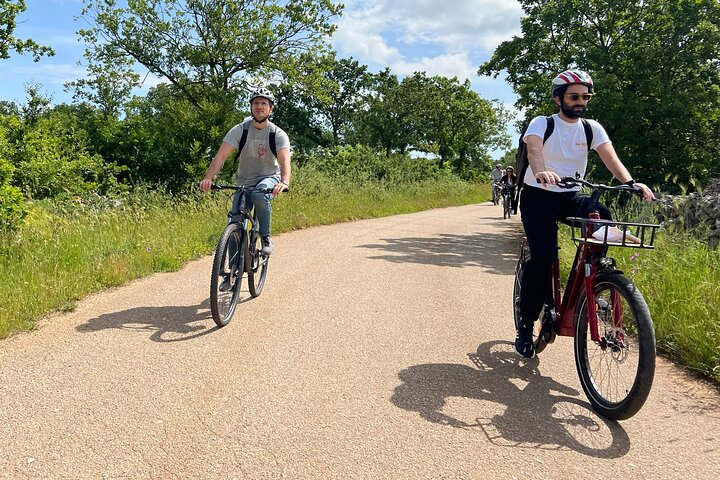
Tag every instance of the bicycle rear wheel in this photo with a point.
(617, 373)
(256, 264)
(227, 274)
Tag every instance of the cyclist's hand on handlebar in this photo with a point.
(648, 195)
(205, 184)
(547, 177)
(279, 187)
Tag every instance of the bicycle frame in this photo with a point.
(582, 276)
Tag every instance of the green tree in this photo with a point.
(12, 204)
(9, 10)
(454, 121)
(387, 121)
(341, 94)
(656, 66)
(206, 48)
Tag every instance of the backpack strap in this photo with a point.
(549, 129)
(588, 133)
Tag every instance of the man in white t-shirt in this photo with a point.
(543, 203)
(259, 165)
(495, 176)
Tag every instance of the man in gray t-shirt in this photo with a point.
(259, 166)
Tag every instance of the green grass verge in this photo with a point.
(56, 260)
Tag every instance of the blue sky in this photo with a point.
(450, 39)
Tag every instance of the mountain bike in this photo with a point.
(614, 337)
(507, 196)
(238, 255)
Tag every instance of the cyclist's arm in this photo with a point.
(215, 165)
(283, 157)
(611, 160)
(537, 162)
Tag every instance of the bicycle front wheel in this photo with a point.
(256, 264)
(617, 373)
(227, 274)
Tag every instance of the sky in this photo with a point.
(450, 39)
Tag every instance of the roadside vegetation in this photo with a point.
(66, 250)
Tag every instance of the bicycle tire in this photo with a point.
(506, 207)
(539, 338)
(224, 298)
(256, 264)
(617, 378)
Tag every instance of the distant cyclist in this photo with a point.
(542, 204)
(509, 179)
(495, 176)
(258, 166)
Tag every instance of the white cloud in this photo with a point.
(415, 27)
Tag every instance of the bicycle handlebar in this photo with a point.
(216, 186)
(570, 182)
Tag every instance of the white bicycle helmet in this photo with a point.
(571, 77)
(264, 93)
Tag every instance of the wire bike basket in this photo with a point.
(611, 233)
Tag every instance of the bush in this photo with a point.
(51, 160)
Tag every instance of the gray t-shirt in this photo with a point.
(256, 159)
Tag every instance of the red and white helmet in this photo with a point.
(571, 77)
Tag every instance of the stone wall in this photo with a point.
(698, 213)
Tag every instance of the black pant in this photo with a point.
(540, 211)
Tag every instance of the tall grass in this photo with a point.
(62, 254)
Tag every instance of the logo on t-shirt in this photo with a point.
(261, 151)
(581, 145)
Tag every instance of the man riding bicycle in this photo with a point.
(495, 176)
(543, 203)
(264, 159)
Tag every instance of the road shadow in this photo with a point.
(496, 251)
(166, 324)
(538, 412)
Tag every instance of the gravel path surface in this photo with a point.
(378, 349)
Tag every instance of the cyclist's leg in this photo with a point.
(539, 211)
(261, 201)
(232, 216)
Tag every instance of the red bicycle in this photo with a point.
(603, 310)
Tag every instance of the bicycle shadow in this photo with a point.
(496, 251)
(167, 324)
(539, 413)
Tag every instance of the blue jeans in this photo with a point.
(261, 201)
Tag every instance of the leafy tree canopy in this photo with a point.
(9, 10)
(208, 49)
(656, 66)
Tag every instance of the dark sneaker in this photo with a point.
(267, 246)
(225, 285)
(524, 343)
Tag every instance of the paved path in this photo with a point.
(379, 349)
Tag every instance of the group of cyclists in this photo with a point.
(502, 182)
(265, 160)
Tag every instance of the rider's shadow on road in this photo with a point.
(496, 251)
(167, 324)
(537, 412)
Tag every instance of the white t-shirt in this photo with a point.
(565, 152)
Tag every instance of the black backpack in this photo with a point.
(521, 157)
(243, 139)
